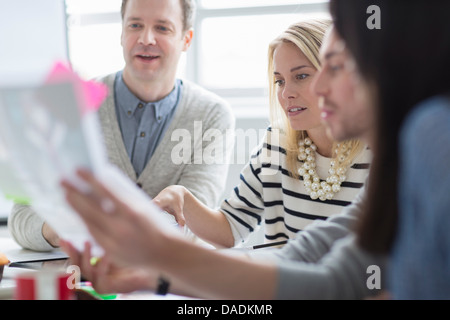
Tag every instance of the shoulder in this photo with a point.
(275, 137)
(273, 142)
(425, 141)
(363, 159)
(428, 123)
(107, 79)
(108, 105)
(198, 97)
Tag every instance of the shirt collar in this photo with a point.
(128, 102)
(165, 106)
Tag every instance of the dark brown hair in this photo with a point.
(406, 61)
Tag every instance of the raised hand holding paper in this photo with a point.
(47, 134)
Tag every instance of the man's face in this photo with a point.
(343, 99)
(153, 39)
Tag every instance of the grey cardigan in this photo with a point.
(199, 115)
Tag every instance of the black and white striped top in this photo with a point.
(267, 193)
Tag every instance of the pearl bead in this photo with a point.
(314, 187)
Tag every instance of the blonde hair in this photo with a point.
(307, 36)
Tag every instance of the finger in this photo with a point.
(179, 217)
(101, 226)
(84, 205)
(109, 199)
(103, 266)
(70, 189)
(87, 268)
(94, 196)
(74, 254)
(158, 203)
(108, 202)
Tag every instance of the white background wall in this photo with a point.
(245, 123)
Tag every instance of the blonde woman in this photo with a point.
(298, 174)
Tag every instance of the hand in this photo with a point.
(50, 235)
(171, 200)
(128, 236)
(106, 277)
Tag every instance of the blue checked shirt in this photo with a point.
(143, 124)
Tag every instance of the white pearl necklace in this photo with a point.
(323, 190)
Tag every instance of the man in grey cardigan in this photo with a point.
(149, 116)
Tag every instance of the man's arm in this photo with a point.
(26, 227)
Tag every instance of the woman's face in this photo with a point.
(293, 74)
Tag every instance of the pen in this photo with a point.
(272, 244)
(87, 287)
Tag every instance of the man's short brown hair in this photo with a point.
(188, 7)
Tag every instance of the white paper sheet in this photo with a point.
(45, 138)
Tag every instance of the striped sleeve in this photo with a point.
(244, 208)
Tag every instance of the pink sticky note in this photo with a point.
(90, 94)
(96, 94)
